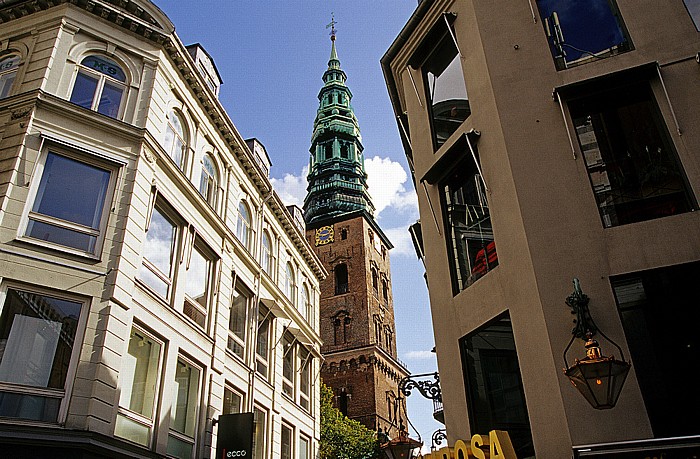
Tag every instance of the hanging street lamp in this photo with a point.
(597, 377)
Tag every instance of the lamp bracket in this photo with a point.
(438, 437)
(578, 302)
(427, 388)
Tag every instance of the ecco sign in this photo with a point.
(234, 436)
(498, 444)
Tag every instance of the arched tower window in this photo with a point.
(243, 225)
(175, 139)
(99, 85)
(208, 183)
(341, 279)
(8, 72)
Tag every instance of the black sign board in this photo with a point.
(235, 436)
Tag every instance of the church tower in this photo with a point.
(356, 306)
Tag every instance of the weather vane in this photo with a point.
(332, 26)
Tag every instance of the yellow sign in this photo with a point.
(496, 446)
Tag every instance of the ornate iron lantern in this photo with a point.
(401, 447)
(597, 377)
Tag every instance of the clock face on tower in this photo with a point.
(324, 235)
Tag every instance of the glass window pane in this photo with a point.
(287, 435)
(632, 164)
(139, 374)
(179, 448)
(581, 32)
(304, 450)
(72, 190)
(160, 243)
(232, 402)
(104, 65)
(6, 80)
(494, 388)
(197, 285)
(239, 308)
(61, 236)
(84, 90)
(131, 430)
(110, 100)
(260, 420)
(37, 334)
(694, 11)
(29, 407)
(183, 416)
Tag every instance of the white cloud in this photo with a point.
(292, 188)
(400, 237)
(419, 355)
(386, 179)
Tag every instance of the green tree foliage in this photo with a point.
(341, 437)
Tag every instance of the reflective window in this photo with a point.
(304, 447)
(99, 85)
(582, 32)
(37, 336)
(305, 362)
(288, 358)
(262, 347)
(306, 302)
(287, 441)
(8, 72)
(183, 411)
(197, 285)
(495, 394)
(631, 162)
(237, 322)
(244, 231)
(158, 253)
(208, 184)
(70, 203)
(267, 254)
(443, 76)
(290, 288)
(693, 7)
(139, 381)
(233, 401)
(470, 240)
(175, 139)
(259, 431)
(659, 315)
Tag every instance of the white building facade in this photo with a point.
(150, 278)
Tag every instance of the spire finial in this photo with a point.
(332, 26)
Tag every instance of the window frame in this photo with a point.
(210, 179)
(133, 416)
(102, 80)
(169, 214)
(289, 357)
(110, 191)
(290, 428)
(305, 365)
(230, 388)
(264, 317)
(11, 74)
(197, 245)
(258, 410)
(267, 257)
(304, 439)
(183, 139)
(183, 437)
(290, 284)
(64, 394)
(244, 227)
(237, 340)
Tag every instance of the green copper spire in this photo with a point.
(337, 178)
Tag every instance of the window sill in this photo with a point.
(60, 249)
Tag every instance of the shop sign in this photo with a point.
(497, 443)
(234, 437)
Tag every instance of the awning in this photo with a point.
(275, 308)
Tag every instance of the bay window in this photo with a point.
(184, 410)
(71, 202)
(37, 347)
(139, 382)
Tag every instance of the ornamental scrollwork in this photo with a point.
(429, 389)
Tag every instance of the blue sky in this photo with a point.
(271, 56)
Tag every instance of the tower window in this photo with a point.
(343, 233)
(328, 151)
(341, 279)
(375, 281)
(343, 401)
(344, 151)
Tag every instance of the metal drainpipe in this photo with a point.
(256, 307)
